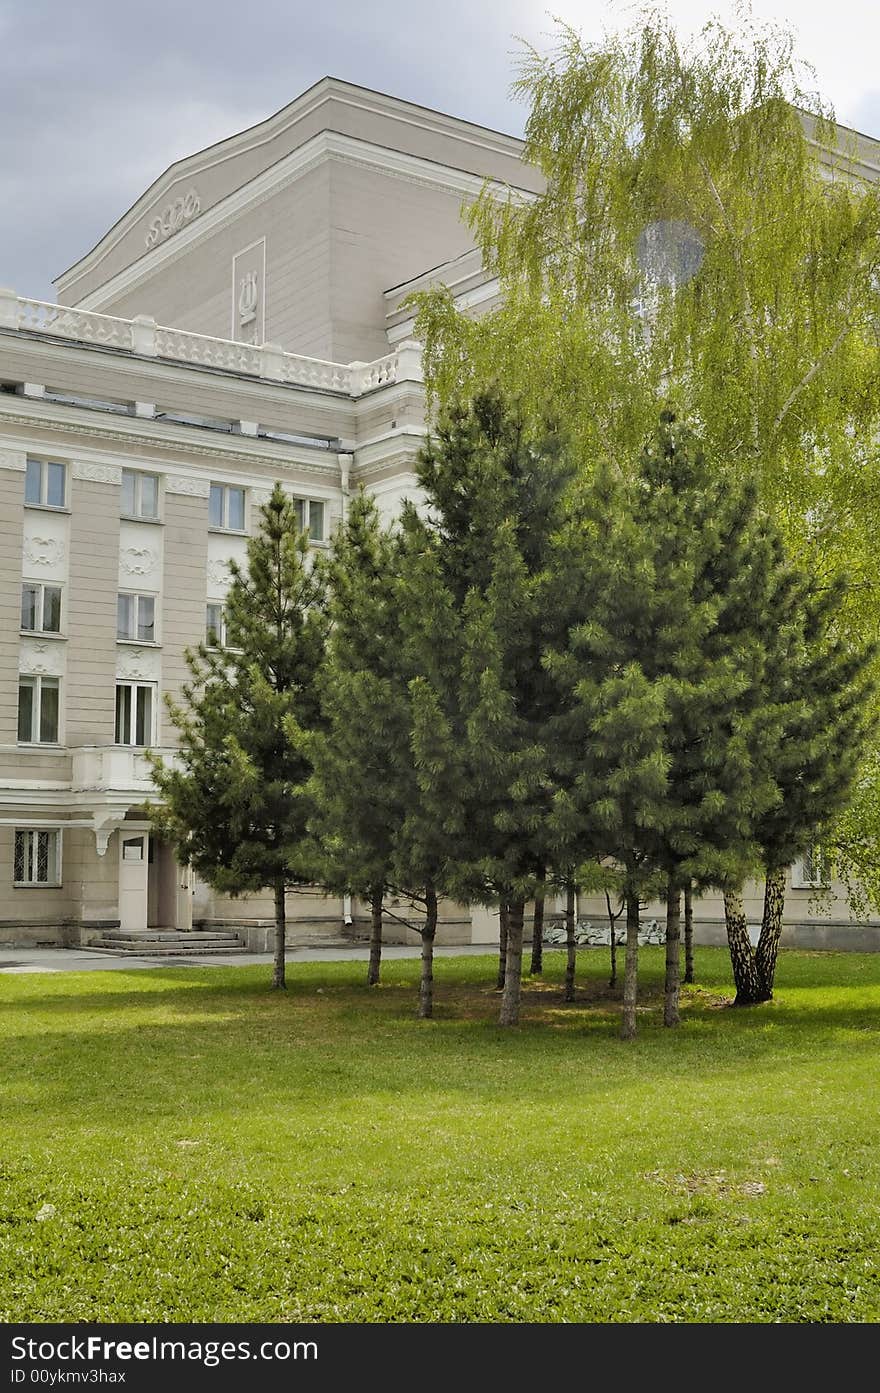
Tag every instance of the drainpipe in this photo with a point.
(345, 462)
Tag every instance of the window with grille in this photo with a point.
(135, 704)
(40, 608)
(45, 483)
(226, 507)
(37, 857)
(38, 708)
(136, 617)
(140, 495)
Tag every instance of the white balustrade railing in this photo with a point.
(74, 324)
(144, 336)
(186, 347)
(368, 376)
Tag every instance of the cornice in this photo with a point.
(173, 438)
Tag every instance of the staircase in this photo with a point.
(165, 943)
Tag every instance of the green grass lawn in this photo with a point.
(183, 1144)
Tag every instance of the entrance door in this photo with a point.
(133, 871)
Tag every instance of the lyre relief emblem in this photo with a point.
(248, 295)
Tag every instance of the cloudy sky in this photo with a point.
(98, 97)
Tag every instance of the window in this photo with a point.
(38, 710)
(310, 514)
(226, 507)
(140, 495)
(40, 608)
(44, 483)
(215, 626)
(812, 871)
(37, 857)
(134, 713)
(136, 617)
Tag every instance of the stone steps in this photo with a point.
(165, 943)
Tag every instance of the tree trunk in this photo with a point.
(513, 966)
(570, 945)
(612, 980)
(631, 967)
(673, 952)
(742, 957)
(537, 965)
(503, 918)
(426, 982)
(376, 898)
(771, 929)
(280, 933)
(688, 933)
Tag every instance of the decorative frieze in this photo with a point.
(97, 473)
(13, 459)
(188, 486)
(182, 210)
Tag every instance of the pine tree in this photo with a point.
(234, 802)
(664, 734)
(494, 498)
(824, 692)
(362, 777)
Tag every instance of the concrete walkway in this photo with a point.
(75, 960)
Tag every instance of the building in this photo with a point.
(244, 321)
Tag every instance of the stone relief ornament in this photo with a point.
(138, 561)
(192, 488)
(97, 473)
(248, 294)
(218, 574)
(173, 218)
(132, 664)
(40, 660)
(43, 551)
(13, 459)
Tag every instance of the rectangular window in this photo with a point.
(226, 507)
(215, 626)
(136, 617)
(140, 495)
(134, 713)
(40, 608)
(38, 707)
(310, 514)
(37, 857)
(812, 871)
(45, 483)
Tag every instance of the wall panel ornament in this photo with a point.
(41, 660)
(182, 210)
(186, 485)
(43, 551)
(97, 473)
(132, 663)
(13, 459)
(138, 561)
(219, 576)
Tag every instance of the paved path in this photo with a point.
(75, 960)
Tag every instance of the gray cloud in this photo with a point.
(96, 99)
